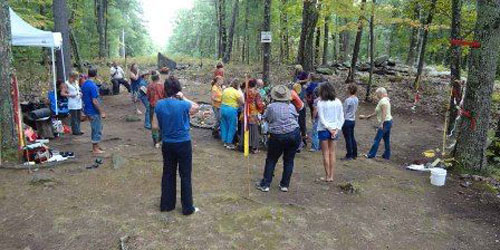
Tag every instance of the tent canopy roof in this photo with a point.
(23, 34)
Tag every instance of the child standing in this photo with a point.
(350, 108)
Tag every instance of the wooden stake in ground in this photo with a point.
(246, 134)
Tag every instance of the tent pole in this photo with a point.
(63, 64)
(54, 79)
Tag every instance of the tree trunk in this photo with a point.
(76, 50)
(266, 26)
(8, 136)
(334, 49)
(305, 53)
(61, 25)
(471, 143)
(372, 45)
(414, 39)
(421, 58)
(245, 46)
(101, 26)
(317, 46)
(355, 52)
(325, 39)
(344, 42)
(456, 51)
(222, 27)
(283, 25)
(232, 27)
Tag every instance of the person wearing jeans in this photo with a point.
(384, 118)
(93, 109)
(173, 114)
(350, 108)
(284, 139)
(231, 100)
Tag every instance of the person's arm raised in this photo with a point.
(194, 106)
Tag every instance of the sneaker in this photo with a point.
(313, 150)
(231, 147)
(196, 210)
(262, 188)
(283, 189)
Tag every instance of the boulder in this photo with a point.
(164, 61)
(381, 61)
(325, 71)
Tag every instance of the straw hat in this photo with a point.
(281, 93)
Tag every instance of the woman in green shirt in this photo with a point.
(384, 119)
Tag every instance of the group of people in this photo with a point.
(284, 120)
(277, 114)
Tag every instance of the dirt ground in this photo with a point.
(93, 209)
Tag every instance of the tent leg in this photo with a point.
(54, 78)
(63, 64)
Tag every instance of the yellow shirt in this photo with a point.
(230, 97)
(384, 102)
(216, 96)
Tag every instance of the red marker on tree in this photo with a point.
(460, 42)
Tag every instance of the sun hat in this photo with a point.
(281, 93)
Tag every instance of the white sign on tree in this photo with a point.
(266, 37)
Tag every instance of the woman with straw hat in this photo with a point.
(284, 137)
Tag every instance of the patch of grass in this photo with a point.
(352, 187)
(485, 187)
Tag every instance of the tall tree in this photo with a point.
(310, 13)
(421, 58)
(471, 141)
(266, 26)
(8, 136)
(345, 37)
(372, 45)
(232, 27)
(410, 59)
(284, 44)
(357, 43)
(100, 7)
(456, 51)
(325, 39)
(317, 46)
(221, 6)
(61, 24)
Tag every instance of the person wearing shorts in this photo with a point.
(331, 119)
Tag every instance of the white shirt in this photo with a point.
(117, 72)
(330, 114)
(75, 96)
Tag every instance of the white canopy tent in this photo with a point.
(23, 34)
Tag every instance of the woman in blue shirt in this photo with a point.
(173, 115)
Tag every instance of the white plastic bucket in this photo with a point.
(438, 176)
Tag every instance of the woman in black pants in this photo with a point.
(173, 114)
(284, 137)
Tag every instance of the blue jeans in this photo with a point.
(350, 141)
(229, 123)
(281, 144)
(217, 118)
(314, 137)
(177, 155)
(385, 134)
(96, 127)
(147, 115)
